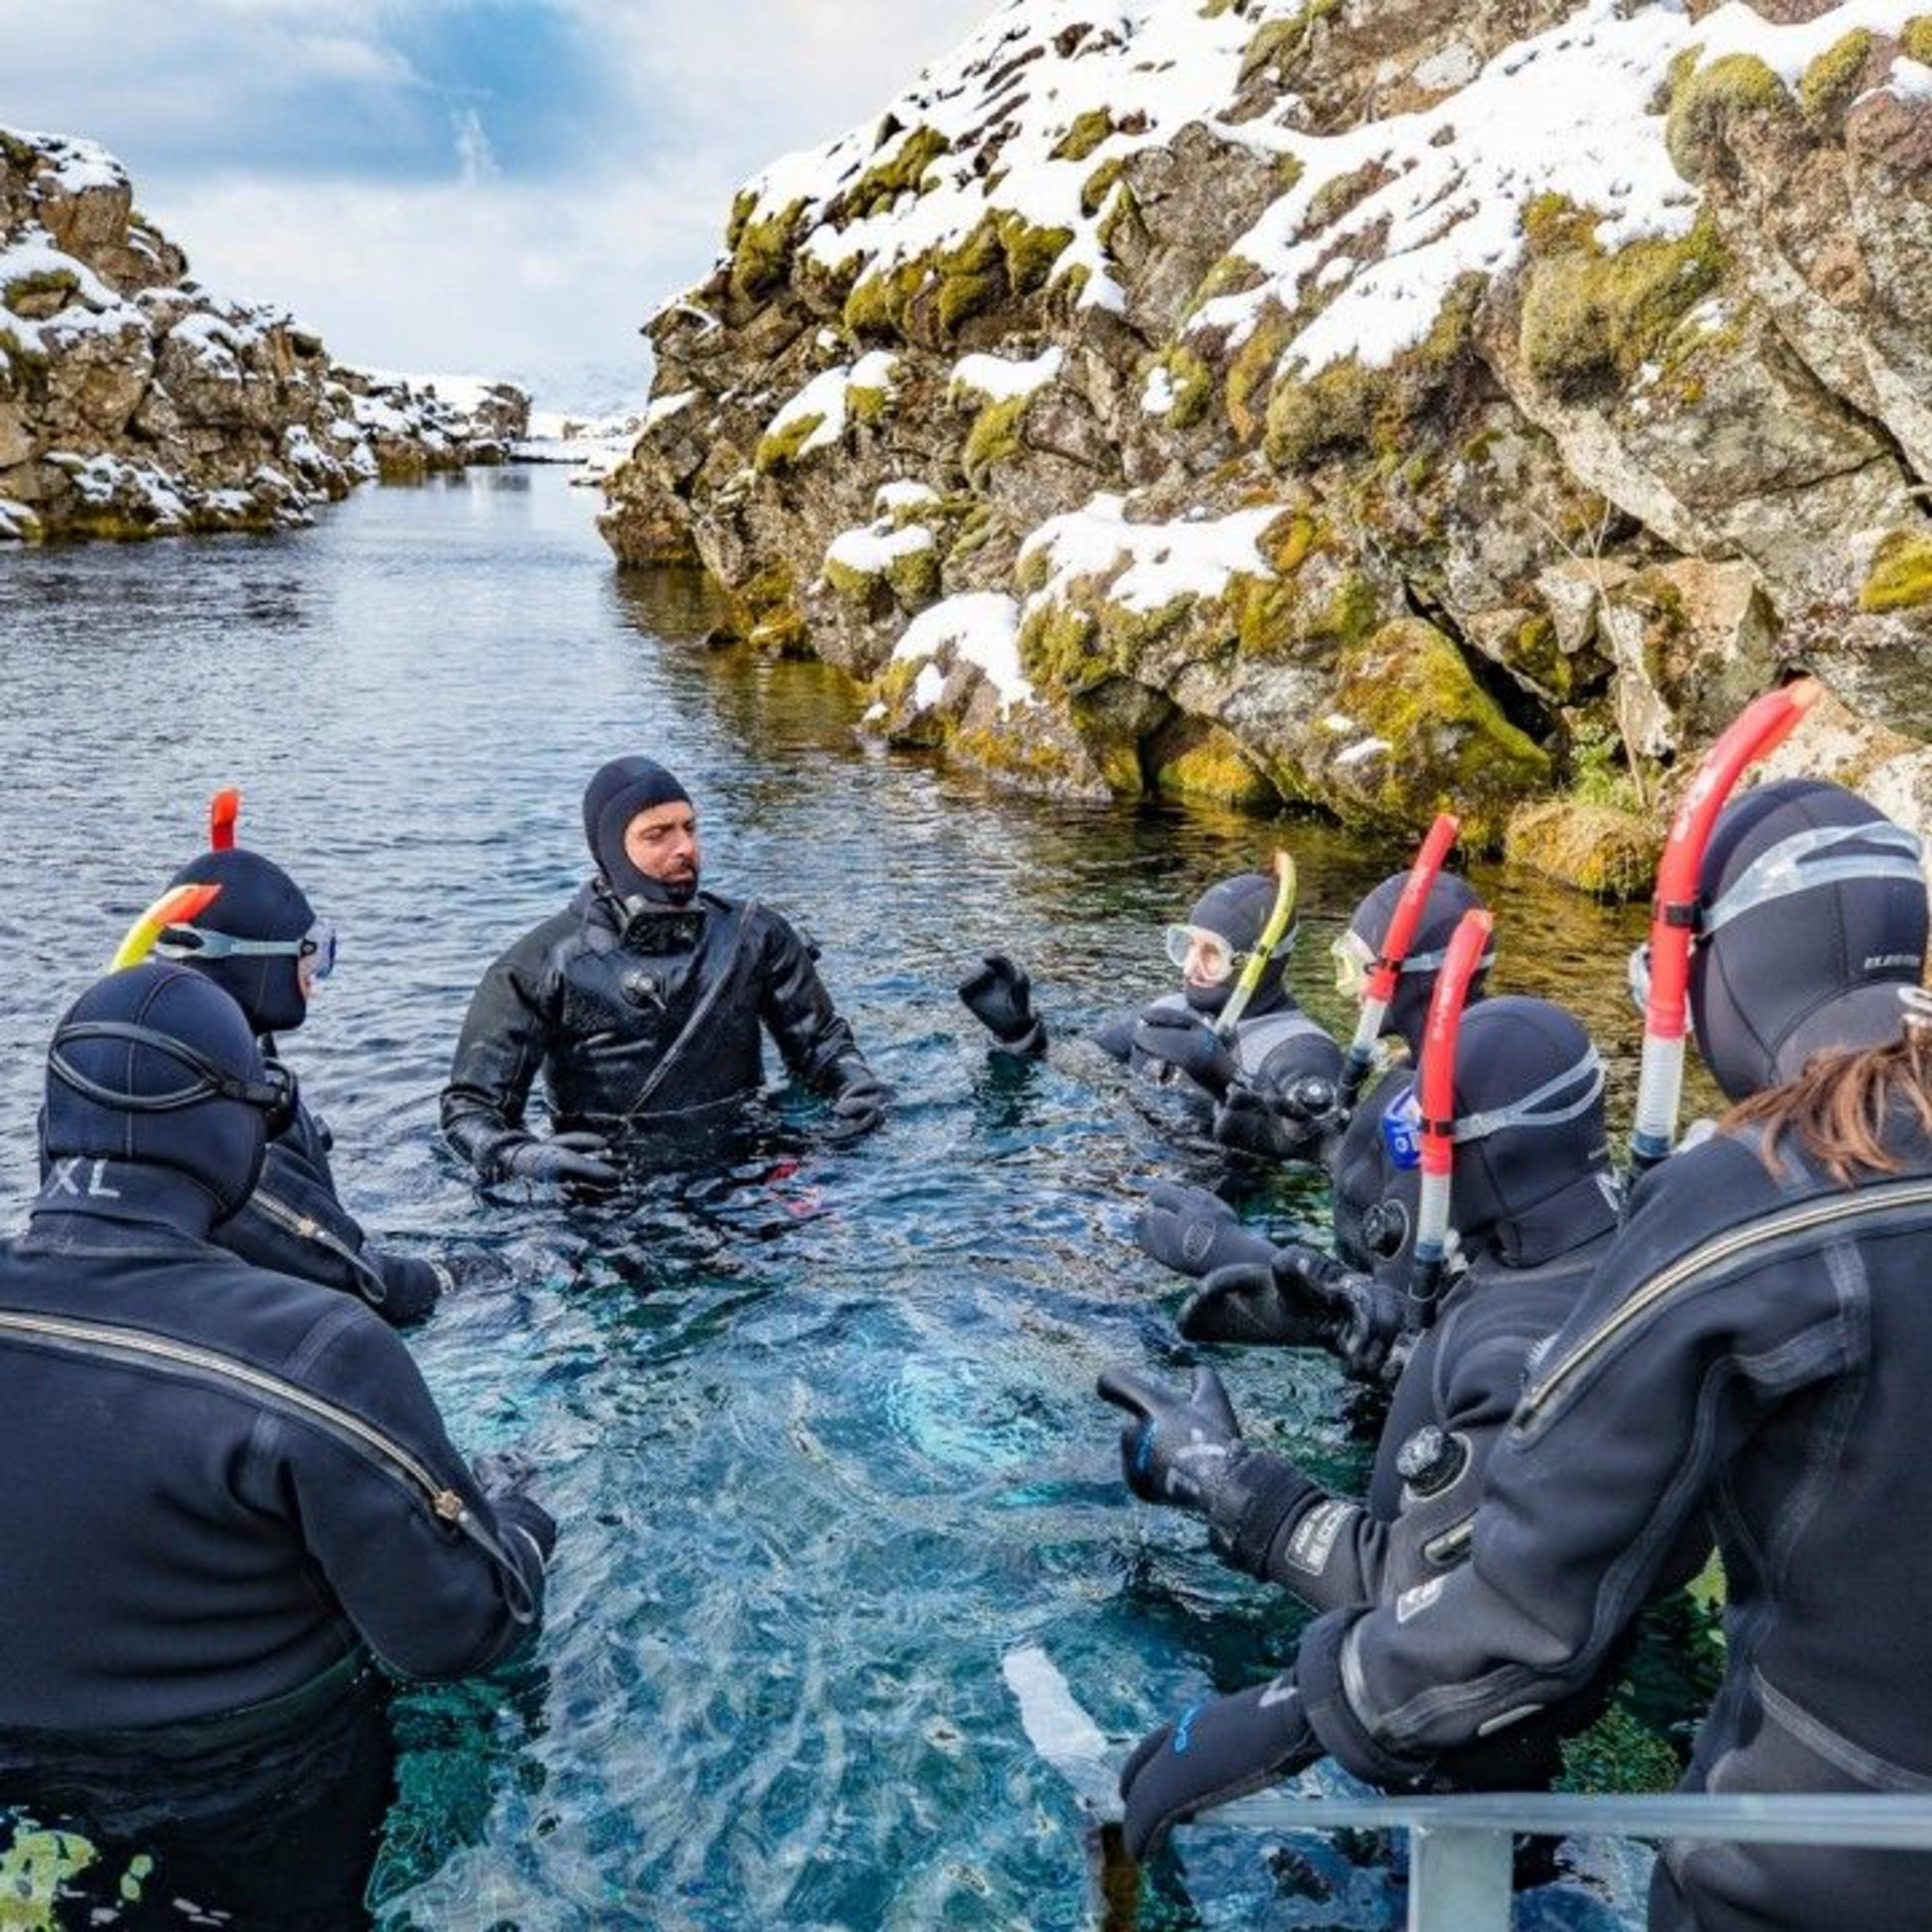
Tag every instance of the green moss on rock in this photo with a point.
(1088, 130)
(1253, 370)
(1030, 252)
(995, 437)
(1060, 648)
(1211, 766)
(1333, 410)
(39, 295)
(1915, 37)
(782, 447)
(742, 203)
(972, 277)
(914, 575)
(1190, 383)
(762, 258)
(1095, 189)
(1705, 101)
(904, 173)
(1277, 43)
(1447, 743)
(1599, 849)
(875, 310)
(1829, 82)
(1553, 224)
(1586, 315)
(867, 405)
(765, 608)
(1900, 576)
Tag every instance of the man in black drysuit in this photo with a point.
(1259, 1085)
(230, 1496)
(640, 1002)
(1374, 1199)
(261, 942)
(1757, 1343)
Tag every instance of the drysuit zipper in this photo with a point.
(1810, 1217)
(306, 1228)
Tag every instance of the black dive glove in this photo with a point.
(1287, 1125)
(411, 1287)
(1000, 997)
(1302, 1299)
(1221, 1749)
(1190, 1046)
(859, 1105)
(572, 1160)
(504, 1475)
(1187, 1451)
(1195, 1232)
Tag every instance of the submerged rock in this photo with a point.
(132, 403)
(1369, 406)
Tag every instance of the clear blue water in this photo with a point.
(823, 1442)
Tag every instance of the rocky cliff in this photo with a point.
(1381, 403)
(132, 403)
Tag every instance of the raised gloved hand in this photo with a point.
(859, 1105)
(1190, 1046)
(1195, 1232)
(574, 1160)
(1289, 1124)
(1217, 1751)
(1174, 1448)
(1000, 997)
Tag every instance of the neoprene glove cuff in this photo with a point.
(411, 1287)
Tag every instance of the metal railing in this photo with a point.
(1459, 1852)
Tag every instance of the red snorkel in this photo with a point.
(1386, 970)
(1435, 1095)
(1760, 728)
(224, 809)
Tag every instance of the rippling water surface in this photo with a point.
(819, 1427)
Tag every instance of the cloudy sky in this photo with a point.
(491, 186)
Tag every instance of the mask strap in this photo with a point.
(1791, 866)
(1523, 1113)
(212, 1082)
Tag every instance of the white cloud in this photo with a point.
(482, 271)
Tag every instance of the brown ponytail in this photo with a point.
(1838, 1104)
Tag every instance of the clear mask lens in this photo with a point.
(1353, 957)
(1203, 955)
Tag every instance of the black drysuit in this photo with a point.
(624, 1036)
(295, 1223)
(1755, 1347)
(221, 1482)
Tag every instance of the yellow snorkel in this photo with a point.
(1279, 919)
(179, 905)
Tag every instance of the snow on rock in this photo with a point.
(998, 379)
(979, 628)
(1150, 564)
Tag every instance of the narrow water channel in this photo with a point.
(819, 1427)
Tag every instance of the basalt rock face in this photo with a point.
(1386, 404)
(134, 404)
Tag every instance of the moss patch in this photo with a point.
(1208, 764)
(905, 173)
(1829, 82)
(1597, 848)
(39, 295)
(1088, 132)
(1915, 37)
(1705, 101)
(1586, 316)
(1190, 383)
(1096, 188)
(868, 406)
(1279, 43)
(1030, 252)
(1447, 742)
(1553, 224)
(1900, 576)
(994, 438)
(782, 447)
(762, 257)
(1252, 372)
(768, 615)
(1307, 417)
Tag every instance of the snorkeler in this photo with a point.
(1374, 1199)
(642, 1004)
(256, 936)
(230, 1498)
(1232, 1033)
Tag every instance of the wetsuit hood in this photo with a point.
(622, 789)
(1538, 1183)
(156, 1070)
(258, 900)
(1812, 914)
(1238, 909)
(1449, 898)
